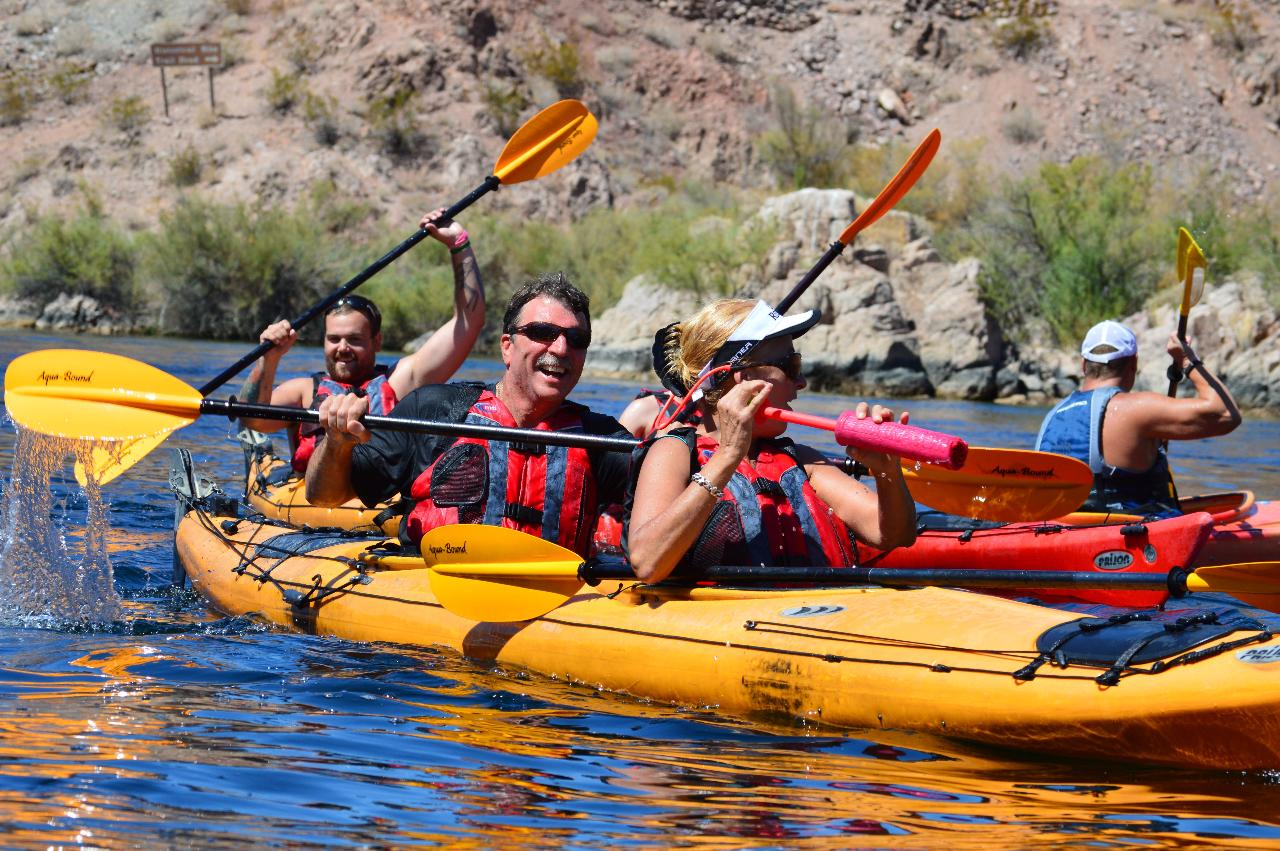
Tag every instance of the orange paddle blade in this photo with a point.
(551, 139)
(1011, 485)
(897, 187)
(1255, 583)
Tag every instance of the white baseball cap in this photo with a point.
(1108, 333)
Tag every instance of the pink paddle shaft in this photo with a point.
(906, 441)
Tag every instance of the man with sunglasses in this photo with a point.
(553, 492)
(352, 340)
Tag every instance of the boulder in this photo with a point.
(81, 313)
(17, 312)
(622, 336)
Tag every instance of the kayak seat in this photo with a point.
(1159, 638)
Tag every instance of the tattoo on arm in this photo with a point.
(468, 289)
(252, 387)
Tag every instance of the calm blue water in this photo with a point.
(169, 725)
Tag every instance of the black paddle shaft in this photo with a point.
(234, 410)
(1175, 581)
(490, 183)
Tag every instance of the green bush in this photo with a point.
(226, 271)
(70, 80)
(186, 167)
(394, 127)
(84, 255)
(1022, 127)
(559, 63)
(127, 114)
(1021, 26)
(284, 91)
(318, 114)
(17, 96)
(805, 148)
(1074, 244)
(505, 104)
(1232, 26)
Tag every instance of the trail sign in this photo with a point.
(185, 54)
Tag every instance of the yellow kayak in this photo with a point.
(275, 491)
(943, 661)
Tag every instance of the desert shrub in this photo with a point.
(805, 147)
(186, 167)
(1073, 244)
(1232, 26)
(303, 51)
(394, 126)
(70, 80)
(284, 91)
(83, 255)
(334, 212)
(505, 104)
(1022, 127)
(17, 96)
(127, 114)
(238, 7)
(318, 114)
(1021, 26)
(557, 62)
(224, 271)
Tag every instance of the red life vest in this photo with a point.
(382, 398)
(769, 515)
(548, 491)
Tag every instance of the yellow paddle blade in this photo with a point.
(1191, 266)
(1256, 583)
(1008, 485)
(487, 573)
(95, 396)
(551, 139)
(108, 460)
(897, 187)
(1184, 242)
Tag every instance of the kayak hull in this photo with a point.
(1143, 547)
(932, 660)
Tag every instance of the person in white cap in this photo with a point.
(731, 489)
(1121, 433)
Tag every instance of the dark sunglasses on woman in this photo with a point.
(789, 364)
(547, 333)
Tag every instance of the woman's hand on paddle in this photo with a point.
(446, 231)
(340, 418)
(281, 336)
(882, 464)
(736, 415)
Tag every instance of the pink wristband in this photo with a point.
(461, 240)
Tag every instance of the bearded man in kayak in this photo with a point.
(554, 492)
(352, 340)
(1121, 434)
(731, 490)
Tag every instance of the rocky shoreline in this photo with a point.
(897, 321)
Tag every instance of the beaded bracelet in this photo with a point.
(706, 485)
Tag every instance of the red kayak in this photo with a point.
(1140, 546)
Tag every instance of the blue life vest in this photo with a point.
(1074, 428)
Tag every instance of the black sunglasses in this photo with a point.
(360, 304)
(548, 332)
(789, 364)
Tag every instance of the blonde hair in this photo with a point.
(695, 341)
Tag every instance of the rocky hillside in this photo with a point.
(681, 88)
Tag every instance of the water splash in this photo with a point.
(48, 578)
